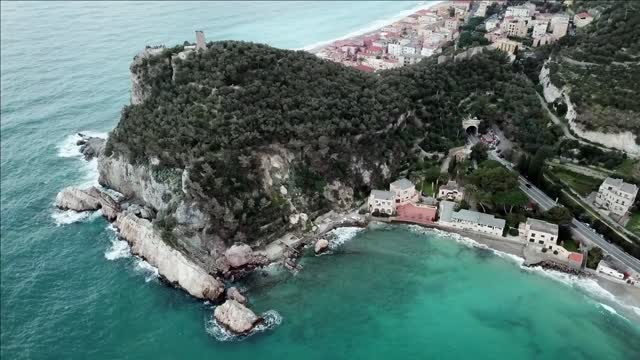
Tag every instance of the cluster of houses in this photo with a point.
(524, 21)
(406, 41)
(404, 204)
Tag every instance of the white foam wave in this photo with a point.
(271, 320)
(69, 146)
(65, 217)
(341, 235)
(119, 249)
(150, 272)
(372, 26)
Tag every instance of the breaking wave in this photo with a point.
(65, 217)
(339, 236)
(69, 148)
(149, 271)
(272, 319)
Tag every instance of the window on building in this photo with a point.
(540, 242)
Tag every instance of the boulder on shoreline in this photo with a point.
(91, 199)
(234, 294)
(236, 317)
(321, 246)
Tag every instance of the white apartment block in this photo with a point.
(559, 25)
(540, 233)
(515, 27)
(394, 49)
(452, 24)
(616, 196)
(491, 23)
(604, 268)
(539, 28)
(382, 202)
(469, 220)
(404, 190)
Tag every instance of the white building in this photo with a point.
(469, 220)
(582, 19)
(539, 28)
(409, 59)
(452, 24)
(382, 202)
(394, 49)
(481, 10)
(523, 11)
(616, 195)
(538, 232)
(430, 50)
(451, 191)
(604, 268)
(404, 190)
(515, 27)
(559, 25)
(491, 23)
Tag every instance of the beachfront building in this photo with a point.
(616, 196)
(469, 220)
(559, 25)
(451, 191)
(582, 19)
(404, 190)
(538, 232)
(382, 202)
(605, 268)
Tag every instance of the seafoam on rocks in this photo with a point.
(339, 236)
(271, 320)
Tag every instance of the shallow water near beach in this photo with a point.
(71, 289)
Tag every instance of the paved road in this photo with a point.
(546, 203)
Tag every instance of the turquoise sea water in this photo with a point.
(70, 290)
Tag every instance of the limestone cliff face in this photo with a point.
(624, 141)
(174, 266)
(135, 181)
(139, 91)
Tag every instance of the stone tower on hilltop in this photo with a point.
(201, 44)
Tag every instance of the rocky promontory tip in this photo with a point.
(236, 317)
(91, 199)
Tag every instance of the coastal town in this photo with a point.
(456, 24)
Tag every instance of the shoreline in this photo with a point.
(373, 26)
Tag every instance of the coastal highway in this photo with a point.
(546, 203)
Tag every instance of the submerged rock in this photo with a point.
(321, 246)
(236, 317)
(91, 199)
(234, 294)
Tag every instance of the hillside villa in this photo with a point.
(616, 196)
(451, 191)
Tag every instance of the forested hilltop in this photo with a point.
(221, 116)
(600, 67)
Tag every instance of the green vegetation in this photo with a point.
(582, 184)
(218, 112)
(634, 223)
(570, 245)
(593, 257)
(495, 187)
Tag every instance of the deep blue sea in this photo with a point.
(70, 289)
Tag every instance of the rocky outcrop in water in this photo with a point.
(91, 146)
(238, 261)
(321, 246)
(236, 317)
(174, 266)
(91, 199)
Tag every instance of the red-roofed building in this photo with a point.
(365, 68)
(575, 257)
(582, 19)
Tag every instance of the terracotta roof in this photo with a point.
(583, 15)
(576, 257)
(365, 68)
